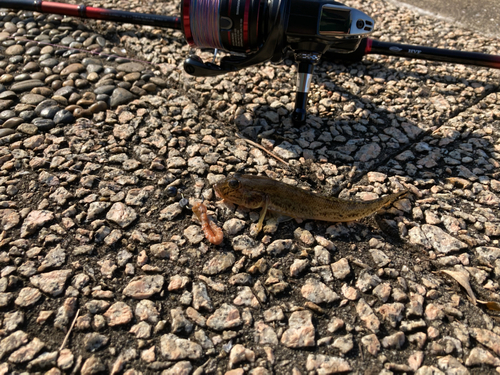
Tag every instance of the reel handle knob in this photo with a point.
(195, 66)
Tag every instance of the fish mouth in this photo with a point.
(216, 188)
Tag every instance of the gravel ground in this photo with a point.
(92, 147)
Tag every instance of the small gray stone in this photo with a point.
(63, 117)
(49, 112)
(105, 89)
(44, 361)
(94, 341)
(120, 96)
(130, 67)
(65, 91)
(121, 214)
(26, 85)
(12, 123)
(317, 292)
(201, 299)
(32, 99)
(6, 131)
(44, 124)
(29, 129)
(368, 152)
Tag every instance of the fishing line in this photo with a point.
(204, 23)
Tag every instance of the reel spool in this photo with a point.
(223, 25)
(252, 31)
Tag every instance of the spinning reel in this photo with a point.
(267, 30)
(256, 31)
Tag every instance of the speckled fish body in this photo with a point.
(256, 192)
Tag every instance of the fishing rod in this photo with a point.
(256, 31)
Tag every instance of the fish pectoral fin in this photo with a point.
(263, 212)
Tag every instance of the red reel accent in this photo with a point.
(186, 22)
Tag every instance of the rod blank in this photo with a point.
(94, 13)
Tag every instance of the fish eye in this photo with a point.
(233, 183)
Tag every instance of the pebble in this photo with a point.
(27, 352)
(144, 286)
(12, 123)
(226, 317)
(265, 334)
(94, 341)
(51, 282)
(44, 361)
(14, 50)
(451, 364)
(12, 342)
(219, 263)
(479, 356)
(119, 96)
(440, 240)
(341, 269)
(63, 116)
(26, 85)
(240, 354)
(487, 338)
(130, 67)
(92, 365)
(201, 299)
(6, 131)
(121, 214)
(394, 341)
(371, 344)
(317, 292)
(367, 315)
(118, 314)
(392, 313)
(300, 332)
(65, 360)
(32, 99)
(72, 68)
(31, 130)
(173, 347)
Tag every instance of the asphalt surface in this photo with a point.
(482, 15)
(93, 146)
